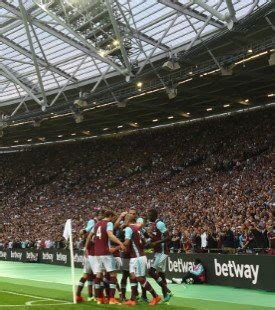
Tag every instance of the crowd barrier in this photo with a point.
(244, 271)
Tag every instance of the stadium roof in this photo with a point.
(53, 52)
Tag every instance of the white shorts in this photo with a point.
(92, 262)
(104, 263)
(118, 263)
(125, 264)
(86, 265)
(159, 262)
(138, 266)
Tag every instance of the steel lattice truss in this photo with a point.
(49, 46)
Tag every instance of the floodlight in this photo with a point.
(78, 118)
(272, 59)
(122, 104)
(36, 123)
(81, 103)
(44, 107)
(171, 65)
(171, 92)
(226, 71)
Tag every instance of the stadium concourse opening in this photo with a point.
(136, 154)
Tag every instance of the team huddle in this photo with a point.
(117, 244)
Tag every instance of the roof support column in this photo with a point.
(38, 73)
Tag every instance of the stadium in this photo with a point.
(136, 152)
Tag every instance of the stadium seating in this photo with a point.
(211, 182)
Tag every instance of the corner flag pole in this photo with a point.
(68, 234)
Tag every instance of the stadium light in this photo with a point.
(78, 118)
(226, 71)
(171, 89)
(251, 58)
(77, 115)
(120, 126)
(81, 103)
(170, 117)
(209, 109)
(15, 141)
(105, 129)
(272, 59)
(102, 53)
(3, 124)
(59, 136)
(73, 134)
(122, 103)
(270, 95)
(210, 72)
(44, 107)
(155, 120)
(116, 43)
(171, 65)
(134, 124)
(139, 84)
(244, 102)
(226, 105)
(185, 114)
(36, 123)
(185, 81)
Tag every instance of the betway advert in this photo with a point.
(245, 271)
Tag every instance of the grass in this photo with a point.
(46, 287)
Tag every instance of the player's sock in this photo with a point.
(159, 277)
(162, 282)
(90, 285)
(143, 293)
(153, 274)
(98, 288)
(134, 289)
(118, 287)
(105, 285)
(145, 284)
(90, 288)
(80, 286)
(112, 285)
(123, 284)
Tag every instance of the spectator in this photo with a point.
(229, 239)
(207, 178)
(196, 276)
(271, 240)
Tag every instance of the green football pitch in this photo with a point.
(46, 286)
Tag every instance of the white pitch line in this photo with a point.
(56, 304)
(32, 296)
(46, 281)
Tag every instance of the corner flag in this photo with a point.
(67, 229)
(68, 235)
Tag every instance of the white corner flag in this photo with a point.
(68, 235)
(67, 229)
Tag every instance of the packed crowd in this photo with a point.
(210, 180)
